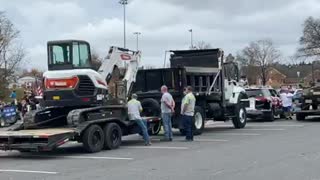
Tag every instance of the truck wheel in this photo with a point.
(155, 129)
(113, 136)
(151, 107)
(93, 139)
(300, 117)
(198, 121)
(240, 119)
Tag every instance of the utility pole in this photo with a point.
(191, 38)
(124, 3)
(137, 39)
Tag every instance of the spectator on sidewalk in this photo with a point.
(187, 112)
(167, 108)
(134, 109)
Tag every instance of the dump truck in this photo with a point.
(215, 83)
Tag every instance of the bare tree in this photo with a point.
(310, 40)
(260, 54)
(202, 45)
(11, 52)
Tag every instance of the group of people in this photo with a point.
(168, 106)
(27, 103)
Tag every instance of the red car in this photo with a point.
(265, 103)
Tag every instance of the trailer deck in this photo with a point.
(36, 139)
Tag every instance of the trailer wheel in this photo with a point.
(113, 136)
(93, 139)
(300, 117)
(198, 121)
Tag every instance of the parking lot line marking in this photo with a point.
(211, 140)
(239, 134)
(27, 171)
(156, 147)
(276, 125)
(258, 129)
(84, 157)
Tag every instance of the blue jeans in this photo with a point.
(188, 126)
(167, 125)
(143, 126)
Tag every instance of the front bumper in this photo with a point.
(67, 98)
(257, 112)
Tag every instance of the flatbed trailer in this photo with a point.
(36, 139)
(48, 139)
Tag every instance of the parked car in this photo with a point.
(265, 103)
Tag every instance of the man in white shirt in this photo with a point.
(134, 109)
(167, 108)
(286, 97)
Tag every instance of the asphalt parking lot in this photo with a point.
(284, 149)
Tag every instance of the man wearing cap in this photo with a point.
(134, 109)
(187, 112)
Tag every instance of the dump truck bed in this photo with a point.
(35, 140)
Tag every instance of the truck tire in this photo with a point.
(155, 129)
(93, 139)
(113, 136)
(198, 121)
(300, 117)
(151, 107)
(240, 119)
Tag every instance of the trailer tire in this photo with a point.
(113, 136)
(93, 139)
(198, 121)
(300, 117)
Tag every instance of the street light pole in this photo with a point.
(124, 3)
(137, 39)
(191, 38)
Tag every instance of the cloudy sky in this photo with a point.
(164, 24)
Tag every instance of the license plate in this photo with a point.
(308, 101)
(252, 103)
(56, 98)
(296, 101)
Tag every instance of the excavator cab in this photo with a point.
(69, 54)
